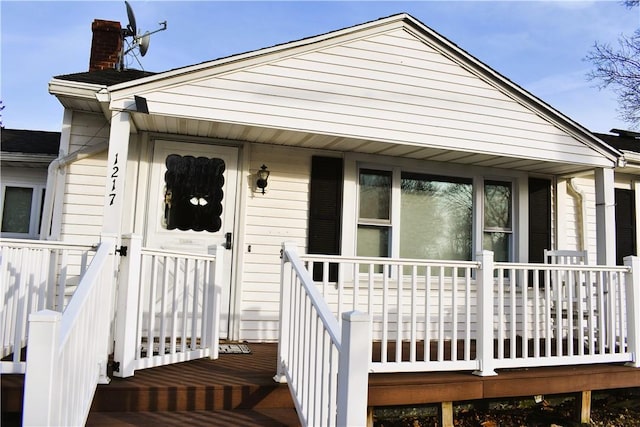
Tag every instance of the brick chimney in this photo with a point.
(106, 45)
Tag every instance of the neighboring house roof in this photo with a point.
(624, 140)
(214, 84)
(628, 142)
(29, 141)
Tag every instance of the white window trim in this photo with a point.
(520, 205)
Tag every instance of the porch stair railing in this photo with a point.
(34, 275)
(318, 357)
(67, 352)
(168, 307)
(427, 315)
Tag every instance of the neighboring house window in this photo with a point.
(21, 210)
(412, 215)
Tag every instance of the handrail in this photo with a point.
(321, 359)
(34, 275)
(26, 243)
(68, 352)
(448, 315)
(324, 312)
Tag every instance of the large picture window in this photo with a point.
(435, 217)
(413, 215)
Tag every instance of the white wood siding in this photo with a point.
(279, 215)
(390, 87)
(82, 210)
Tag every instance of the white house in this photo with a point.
(383, 140)
(379, 100)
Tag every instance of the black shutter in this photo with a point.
(539, 218)
(325, 211)
(625, 224)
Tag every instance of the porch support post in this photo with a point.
(484, 330)
(353, 369)
(41, 401)
(633, 309)
(116, 172)
(605, 217)
(285, 303)
(126, 314)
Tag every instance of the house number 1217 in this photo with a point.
(114, 177)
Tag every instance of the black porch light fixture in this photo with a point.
(263, 176)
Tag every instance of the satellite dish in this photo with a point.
(132, 29)
(144, 43)
(140, 42)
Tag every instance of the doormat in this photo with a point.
(234, 349)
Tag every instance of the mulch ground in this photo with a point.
(613, 408)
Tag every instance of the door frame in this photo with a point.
(147, 210)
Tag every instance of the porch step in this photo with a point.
(273, 417)
(236, 389)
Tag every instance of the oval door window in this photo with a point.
(193, 193)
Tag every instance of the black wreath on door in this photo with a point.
(193, 195)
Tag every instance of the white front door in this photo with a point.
(192, 199)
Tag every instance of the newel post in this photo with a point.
(484, 332)
(285, 304)
(127, 306)
(213, 301)
(633, 309)
(353, 369)
(41, 383)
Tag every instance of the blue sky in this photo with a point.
(539, 45)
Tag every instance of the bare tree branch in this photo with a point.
(618, 67)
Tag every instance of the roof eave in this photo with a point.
(8, 156)
(58, 87)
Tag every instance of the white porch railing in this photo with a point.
(34, 275)
(320, 359)
(168, 307)
(67, 353)
(448, 315)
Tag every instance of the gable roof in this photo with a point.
(191, 92)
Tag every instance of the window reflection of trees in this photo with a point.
(436, 217)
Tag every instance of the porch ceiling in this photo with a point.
(241, 132)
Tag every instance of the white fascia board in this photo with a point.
(631, 159)
(59, 87)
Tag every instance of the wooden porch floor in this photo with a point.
(238, 389)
